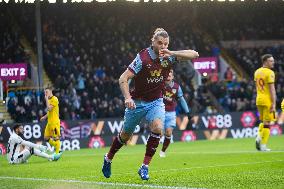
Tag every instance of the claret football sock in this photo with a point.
(116, 145)
(152, 144)
(166, 143)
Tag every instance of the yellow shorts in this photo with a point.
(265, 114)
(52, 131)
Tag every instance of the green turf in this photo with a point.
(229, 163)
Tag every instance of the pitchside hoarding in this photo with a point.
(13, 71)
(100, 133)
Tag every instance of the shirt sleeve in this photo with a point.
(271, 77)
(21, 141)
(17, 139)
(136, 65)
(53, 102)
(29, 144)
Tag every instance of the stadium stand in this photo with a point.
(85, 52)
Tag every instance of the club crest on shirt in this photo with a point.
(164, 63)
(174, 91)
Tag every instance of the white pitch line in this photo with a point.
(93, 182)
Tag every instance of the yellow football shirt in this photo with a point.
(263, 77)
(53, 115)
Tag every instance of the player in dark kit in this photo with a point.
(149, 70)
(172, 93)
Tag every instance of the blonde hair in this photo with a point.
(160, 32)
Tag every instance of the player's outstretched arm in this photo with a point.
(32, 145)
(124, 87)
(181, 55)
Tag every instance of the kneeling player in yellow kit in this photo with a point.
(52, 129)
(264, 78)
